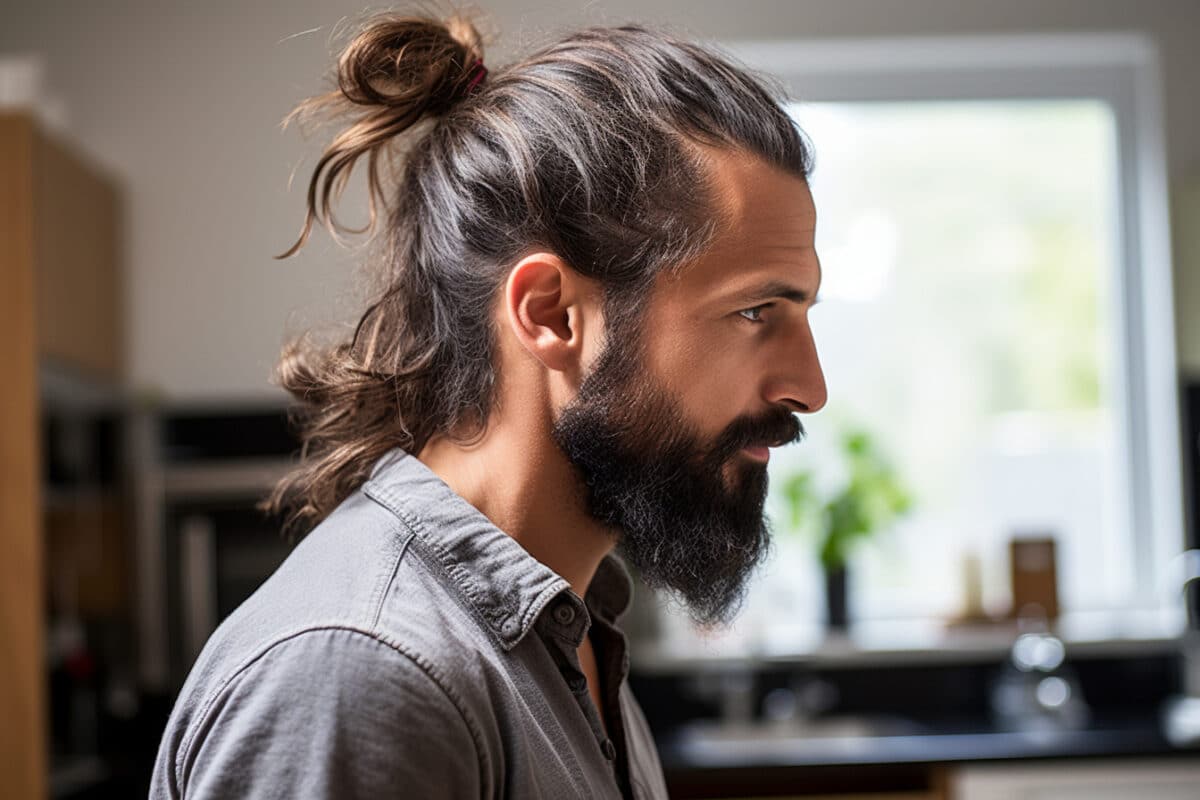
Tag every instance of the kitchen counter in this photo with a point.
(925, 744)
(897, 727)
(919, 763)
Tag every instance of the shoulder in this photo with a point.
(354, 676)
(331, 706)
(336, 575)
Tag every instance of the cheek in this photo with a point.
(710, 379)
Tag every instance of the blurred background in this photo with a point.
(978, 584)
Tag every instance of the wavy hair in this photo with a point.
(591, 147)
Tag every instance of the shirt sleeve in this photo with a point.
(331, 713)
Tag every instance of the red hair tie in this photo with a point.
(479, 72)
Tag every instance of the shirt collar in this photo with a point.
(507, 586)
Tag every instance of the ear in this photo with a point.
(546, 305)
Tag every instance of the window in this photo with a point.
(997, 315)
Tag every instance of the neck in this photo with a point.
(520, 480)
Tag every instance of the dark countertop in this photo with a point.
(938, 743)
(915, 762)
(894, 727)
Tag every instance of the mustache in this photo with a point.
(773, 428)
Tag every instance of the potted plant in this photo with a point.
(871, 499)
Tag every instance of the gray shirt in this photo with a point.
(409, 648)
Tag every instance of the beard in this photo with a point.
(688, 512)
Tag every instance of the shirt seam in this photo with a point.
(422, 663)
(379, 593)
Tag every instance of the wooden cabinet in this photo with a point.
(59, 309)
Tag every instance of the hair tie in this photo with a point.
(478, 73)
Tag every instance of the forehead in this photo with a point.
(768, 223)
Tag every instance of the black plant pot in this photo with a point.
(836, 604)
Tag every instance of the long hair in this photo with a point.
(591, 147)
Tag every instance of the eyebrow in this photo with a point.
(775, 289)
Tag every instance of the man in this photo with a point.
(595, 274)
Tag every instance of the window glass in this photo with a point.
(966, 324)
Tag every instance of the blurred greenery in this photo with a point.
(872, 497)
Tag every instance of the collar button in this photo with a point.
(564, 614)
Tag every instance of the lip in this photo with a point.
(758, 453)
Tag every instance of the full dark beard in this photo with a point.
(688, 513)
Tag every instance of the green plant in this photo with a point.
(872, 498)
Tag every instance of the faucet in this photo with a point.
(1036, 690)
(1181, 714)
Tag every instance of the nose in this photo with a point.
(797, 379)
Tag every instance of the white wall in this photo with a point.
(182, 100)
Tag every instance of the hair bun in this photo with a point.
(396, 71)
(410, 62)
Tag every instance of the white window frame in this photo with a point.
(1121, 69)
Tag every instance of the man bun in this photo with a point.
(395, 72)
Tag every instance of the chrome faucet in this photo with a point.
(1181, 714)
(1036, 689)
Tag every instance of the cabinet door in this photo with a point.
(76, 261)
(1115, 780)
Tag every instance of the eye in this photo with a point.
(754, 314)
